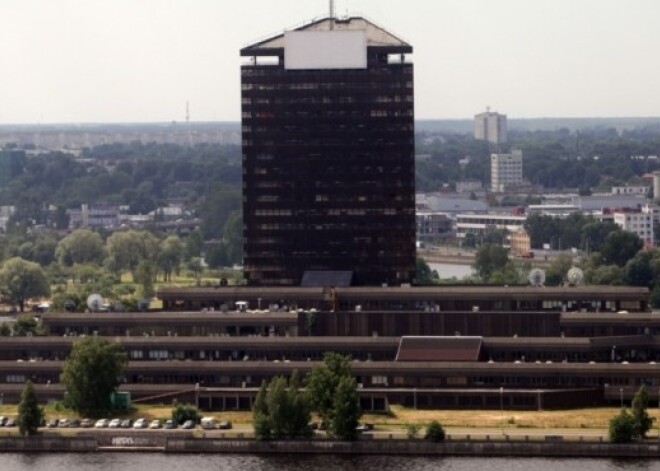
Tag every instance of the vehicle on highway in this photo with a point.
(74, 423)
(170, 424)
(140, 423)
(3, 419)
(188, 424)
(102, 423)
(114, 423)
(155, 424)
(208, 423)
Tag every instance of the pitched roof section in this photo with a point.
(376, 36)
(439, 349)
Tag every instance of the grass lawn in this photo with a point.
(593, 418)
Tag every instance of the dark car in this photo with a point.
(170, 424)
(52, 423)
(11, 423)
(224, 425)
(74, 423)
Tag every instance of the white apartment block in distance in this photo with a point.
(506, 170)
(638, 222)
(490, 126)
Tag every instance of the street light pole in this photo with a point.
(621, 396)
(502, 408)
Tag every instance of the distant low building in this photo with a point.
(630, 190)
(467, 186)
(520, 243)
(481, 224)
(506, 171)
(639, 222)
(432, 225)
(94, 216)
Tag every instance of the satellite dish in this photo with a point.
(94, 302)
(536, 277)
(575, 276)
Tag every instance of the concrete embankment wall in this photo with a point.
(419, 447)
(48, 444)
(363, 447)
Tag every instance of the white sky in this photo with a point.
(141, 60)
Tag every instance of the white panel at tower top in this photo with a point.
(325, 50)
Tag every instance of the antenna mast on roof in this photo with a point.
(188, 124)
(332, 14)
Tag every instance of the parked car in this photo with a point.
(208, 423)
(74, 423)
(140, 423)
(155, 424)
(114, 423)
(63, 423)
(126, 423)
(52, 423)
(102, 423)
(170, 424)
(364, 427)
(11, 422)
(188, 424)
(86, 423)
(225, 425)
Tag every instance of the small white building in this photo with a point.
(638, 222)
(480, 224)
(506, 170)
(630, 190)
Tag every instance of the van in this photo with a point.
(208, 423)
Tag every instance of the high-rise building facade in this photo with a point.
(328, 155)
(506, 170)
(490, 126)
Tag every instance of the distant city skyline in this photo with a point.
(76, 61)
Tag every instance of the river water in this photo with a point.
(217, 462)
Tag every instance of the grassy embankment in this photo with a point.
(593, 418)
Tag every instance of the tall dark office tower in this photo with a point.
(328, 156)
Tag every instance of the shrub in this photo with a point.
(622, 428)
(183, 412)
(435, 432)
(412, 431)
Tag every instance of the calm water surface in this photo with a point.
(162, 462)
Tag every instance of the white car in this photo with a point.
(114, 423)
(155, 424)
(140, 423)
(101, 423)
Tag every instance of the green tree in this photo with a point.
(279, 408)
(170, 256)
(435, 432)
(30, 414)
(81, 246)
(300, 410)
(490, 258)
(195, 266)
(91, 373)
(260, 416)
(423, 273)
(622, 428)
(640, 405)
(21, 280)
(346, 411)
(556, 272)
(412, 431)
(323, 381)
(619, 247)
(130, 247)
(25, 325)
(184, 412)
(144, 274)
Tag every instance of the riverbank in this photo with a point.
(550, 446)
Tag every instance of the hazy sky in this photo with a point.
(141, 60)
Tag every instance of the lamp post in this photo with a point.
(621, 396)
(502, 408)
(613, 353)
(197, 395)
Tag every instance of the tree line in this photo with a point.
(84, 262)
